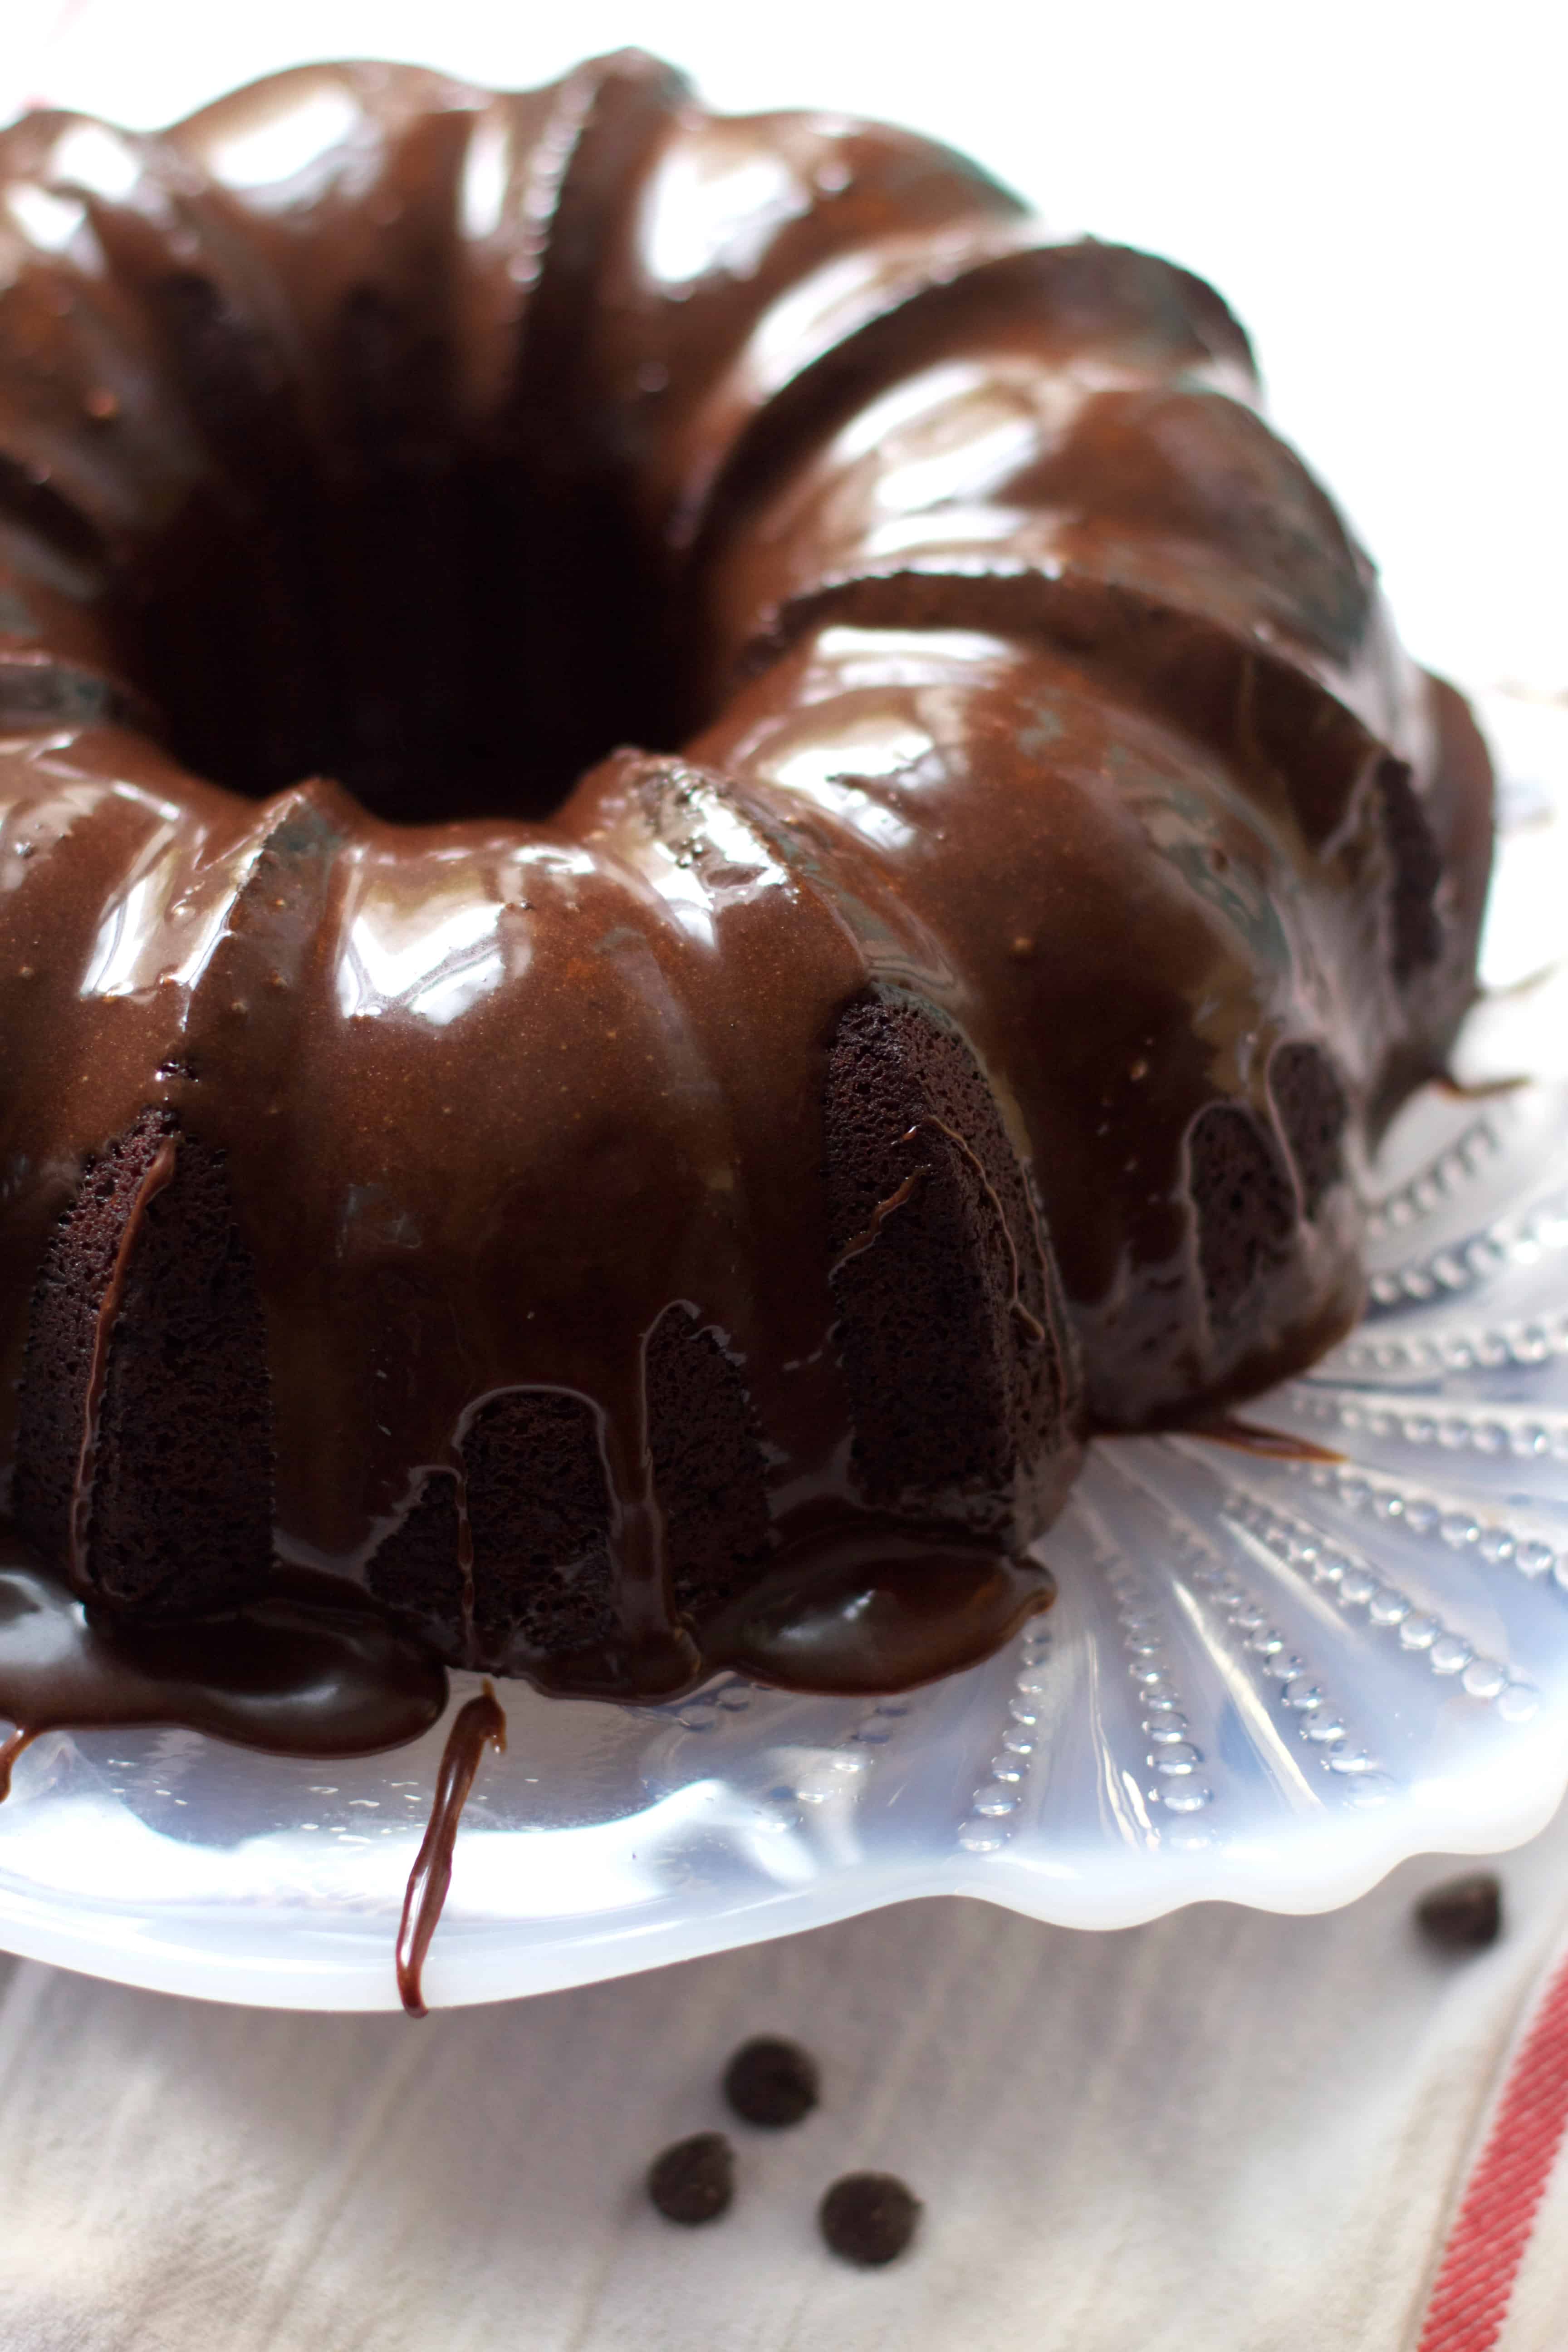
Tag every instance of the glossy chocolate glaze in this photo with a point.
(1252, 1437)
(860, 1611)
(478, 1724)
(313, 1668)
(370, 426)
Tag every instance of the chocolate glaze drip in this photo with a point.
(1031, 1323)
(858, 1244)
(478, 1724)
(311, 1668)
(15, 1746)
(1253, 1437)
(689, 1208)
(859, 1609)
(1479, 1091)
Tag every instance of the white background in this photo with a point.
(1380, 190)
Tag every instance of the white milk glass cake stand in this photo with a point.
(1265, 1680)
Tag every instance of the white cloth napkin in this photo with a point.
(1225, 2132)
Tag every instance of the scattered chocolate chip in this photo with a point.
(868, 2217)
(1465, 1914)
(772, 2082)
(694, 2180)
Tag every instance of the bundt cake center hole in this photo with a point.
(430, 628)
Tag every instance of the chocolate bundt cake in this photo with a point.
(636, 1207)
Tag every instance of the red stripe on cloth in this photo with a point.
(1491, 2229)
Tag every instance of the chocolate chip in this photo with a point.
(772, 2082)
(1465, 1914)
(868, 2217)
(694, 2180)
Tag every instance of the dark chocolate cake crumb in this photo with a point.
(772, 2082)
(694, 2180)
(1465, 1914)
(868, 2218)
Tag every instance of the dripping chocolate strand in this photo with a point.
(879, 1215)
(478, 1724)
(636, 1528)
(1031, 1323)
(312, 1667)
(22, 1737)
(636, 1523)
(1480, 1089)
(1254, 1437)
(465, 1556)
(159, 1174)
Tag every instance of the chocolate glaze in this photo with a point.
(1253, 1437)
(857, 1612)
(1480, 1089)
(311, 1668)
(478, 1724)
(1046, 764)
